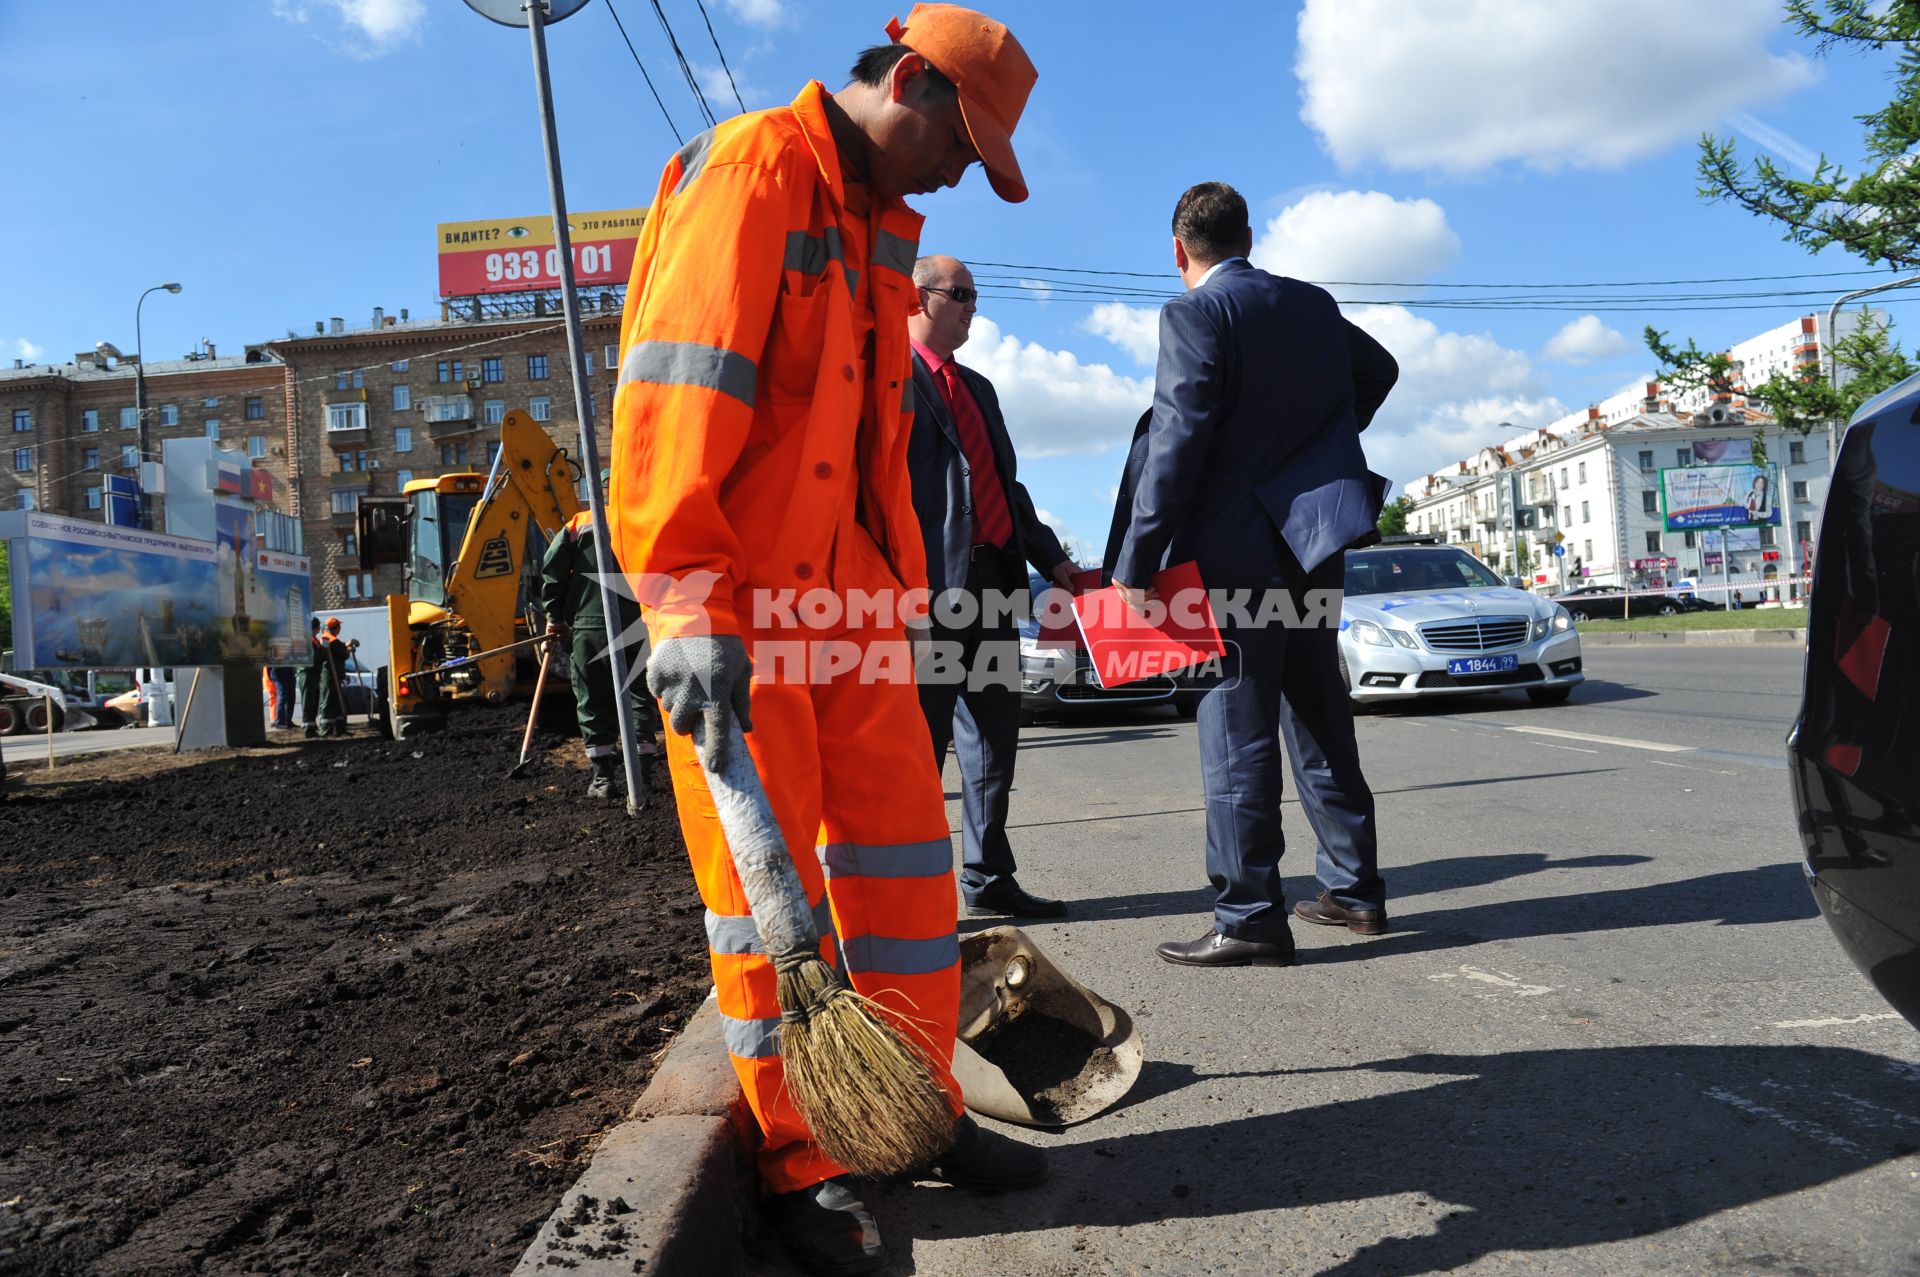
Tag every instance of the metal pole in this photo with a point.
(536, 11)
(144, 438)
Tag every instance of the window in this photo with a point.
(493, 411)
(492, 369)
(1803, 530)
(256, 445)
(1687, 540)
(340, 379)
(1588, 548)
(403, 439)
(589, 359)
(346, 416)
(129, 419)
(453, 454)
(493, 451)
(169, 414)
(449, 408)
(1796, 452)
(1653, 543)
(400, 365)
(1800, 490)
(401, 478)
(23, 499)
(93, 497)
(352, 459)
(23, 458)
(256, 408)
(211, 401)
(540, 408)
(359, 585)
(90, 420)
(213, 427)
(1586, 513)
(129, 456)
(1646, 461)
(1683, 456)
(1583, 472)
(536, 367)
(1563, 478)
(23, 419)
(349, 545)
(449, 370)
(1649, 502)
(402, 398)
(611, 354)
(90, 459)
(359, 379)
(1766, 535)
(345, 501)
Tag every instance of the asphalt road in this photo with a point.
(1609, 1033)
(24, 751)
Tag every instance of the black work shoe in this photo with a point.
(1216, 950)
(1005, 896)
(312, 732)
(1329, 913)
(828, 1229)
(601, 786)
(987, 1162)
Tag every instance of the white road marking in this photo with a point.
(1832, 1021)
(1499, 979)
(1574, 748)
(1622, 741)
(1812, 1130)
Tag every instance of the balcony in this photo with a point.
(448, 415)
(346, 423)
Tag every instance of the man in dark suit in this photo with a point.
(980, 530)
(1252, 468)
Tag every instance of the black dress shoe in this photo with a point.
(828, 1229)
(1005, 896)
(1330, 913)
(988, 1163)
(1216, 950)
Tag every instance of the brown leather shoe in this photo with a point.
(1216, 950)
(1366, 922)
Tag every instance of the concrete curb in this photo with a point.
(668, 1188)
(1694, 638)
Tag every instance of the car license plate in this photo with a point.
(1482, 664)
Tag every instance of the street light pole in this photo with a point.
(1832, 352)
(145, 439)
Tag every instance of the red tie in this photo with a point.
(992, 521)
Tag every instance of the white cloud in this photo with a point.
(1039, 289)
(1469, 84)
(385, 23)
(27, 350)
(1357, 235)
(1055, 405)
(1584, 341)
(1135, 329)
(759, 13)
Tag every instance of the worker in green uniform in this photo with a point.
(576, 621)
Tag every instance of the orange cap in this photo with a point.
(333, 623)
(992, 72)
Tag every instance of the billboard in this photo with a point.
(94, 596)
(1719, 497)
(520, 256)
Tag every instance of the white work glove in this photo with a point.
(703, 682)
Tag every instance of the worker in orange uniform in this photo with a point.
(759, 453)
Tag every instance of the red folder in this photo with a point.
(1177, 632)
(1058, 629)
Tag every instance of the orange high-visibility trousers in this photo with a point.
(848, 767)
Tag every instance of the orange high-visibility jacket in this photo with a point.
(742, 395)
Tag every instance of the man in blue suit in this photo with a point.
(980, 530)
(1252, 468)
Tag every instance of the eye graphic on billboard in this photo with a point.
(1734, 496)
(519, 255)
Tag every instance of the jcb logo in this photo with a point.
(495, 559)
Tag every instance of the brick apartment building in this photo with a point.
(372, 408)
(70, 425)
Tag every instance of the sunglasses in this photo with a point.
(962, 296)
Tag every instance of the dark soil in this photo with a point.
(1048, 1061)
(331, 1007)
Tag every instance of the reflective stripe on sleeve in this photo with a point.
(894, 253)
(888, 955)
(888, 860)
(688, 363)
(693, 158)
(752, 1039)
(739, 935)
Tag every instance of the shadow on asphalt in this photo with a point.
(1592, 692)
(1521, 1151)
(1098, 736)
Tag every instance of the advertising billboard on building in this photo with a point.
(518, 255)
(1719, 497)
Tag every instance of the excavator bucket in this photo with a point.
(1036, 1046)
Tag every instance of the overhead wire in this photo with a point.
(693, 82)
(671, 126)
(723, 57)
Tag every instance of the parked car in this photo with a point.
(1855, 749)
(1432, 620)
(1055, 682)
(1695, 603)
(1609, 603)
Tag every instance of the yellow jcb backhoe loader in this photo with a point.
(469, 545)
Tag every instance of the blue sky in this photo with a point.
(287, 161)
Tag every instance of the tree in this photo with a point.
(1393, 516)
(1875, 213)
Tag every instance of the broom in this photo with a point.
(868, 1095)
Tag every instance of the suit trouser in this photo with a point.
(972, 698)
(847, 768)
(1284, 684)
